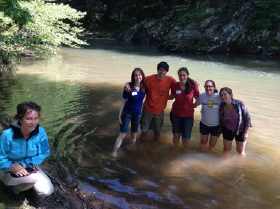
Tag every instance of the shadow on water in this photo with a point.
(124, 47)
(81, 122)
(256, 62)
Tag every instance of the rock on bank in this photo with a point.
(212, 32)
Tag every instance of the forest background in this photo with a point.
(37, 28)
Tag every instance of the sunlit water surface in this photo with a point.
(80, 92)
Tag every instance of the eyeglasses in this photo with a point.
(208, 86)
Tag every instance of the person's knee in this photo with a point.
(43, 187)
(122, 135)
(46, 191)
(240, 151)
(227, 148)
(213, 143)
(202, 142)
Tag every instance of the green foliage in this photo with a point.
(36, 28)
(266, 15)
(233, 6)
(273, 48)
(151, 7)
(204, 48)
(13, 9)
(96, 11)
(185, 12)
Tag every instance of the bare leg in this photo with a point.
(203, 142)
(131, 146)
(118, 143)
(240, 147)
(176, 140)
(212, 143)
(143, 137)
(186, 144)
(156, 136)
(227, 146)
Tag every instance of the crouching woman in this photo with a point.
(23, 147)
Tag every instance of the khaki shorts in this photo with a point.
(151, 121)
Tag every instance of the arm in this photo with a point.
(5, 163)
(221, 115)
(247, 117)
(196, 92)
(121, 109)
(127, 87)
(172, 92)
(246, 134)
(171, 97)
(247, 121)
(197, 101)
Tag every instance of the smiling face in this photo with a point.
(183, 77)
(225, 96)
(209, 88)
(29, 121)
(138, 77)
(161, 73)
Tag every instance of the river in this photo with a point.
(80, 92)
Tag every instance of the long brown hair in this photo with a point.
(26, 108)
(142, 83)
(228, 90)
(190, 82)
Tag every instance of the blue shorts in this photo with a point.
(126, 117)
(182, 125)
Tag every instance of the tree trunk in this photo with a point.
(161, 5)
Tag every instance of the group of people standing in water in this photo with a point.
(24, 146)
(220, 112)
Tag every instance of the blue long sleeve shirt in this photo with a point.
(14, 149)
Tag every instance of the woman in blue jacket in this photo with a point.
(23, 147)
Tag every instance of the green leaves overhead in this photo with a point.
(37, 28)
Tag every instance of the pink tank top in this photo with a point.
(232, 119)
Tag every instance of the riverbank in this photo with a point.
(65, 195)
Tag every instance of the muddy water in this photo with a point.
(80, 92)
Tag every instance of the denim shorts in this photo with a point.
(230, 135)
(205, 130)
(181, 125)
(126, 117)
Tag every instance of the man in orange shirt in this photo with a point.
(157, 94)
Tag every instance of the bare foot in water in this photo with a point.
(131, 147)
(114, 154)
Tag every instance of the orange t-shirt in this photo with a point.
(157, 93)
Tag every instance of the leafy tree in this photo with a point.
(35, 28)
